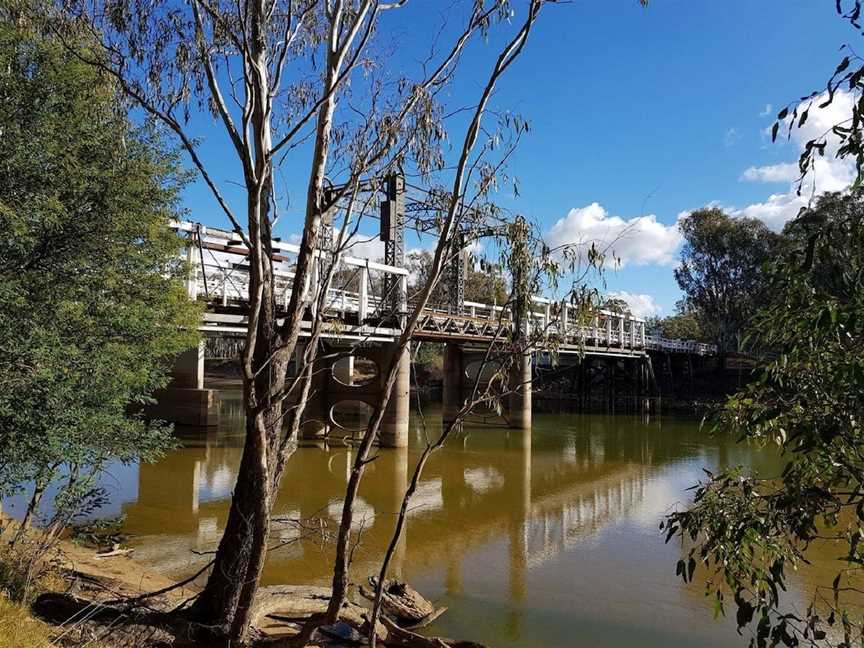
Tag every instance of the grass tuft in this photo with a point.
(18, 628)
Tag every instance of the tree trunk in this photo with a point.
(226, 602)
(218, 601)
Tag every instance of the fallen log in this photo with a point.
(403, 605)
(115, 550)
(401, 638)
(84, 622)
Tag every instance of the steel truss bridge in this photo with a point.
(368, 301)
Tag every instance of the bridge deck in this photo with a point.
(359, 304)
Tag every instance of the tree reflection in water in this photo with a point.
(528, 537)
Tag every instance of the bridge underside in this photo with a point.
(364, 309)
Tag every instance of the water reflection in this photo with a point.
(528, 537)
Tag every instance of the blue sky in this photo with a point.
(645, 112)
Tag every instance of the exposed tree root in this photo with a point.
(99, 609)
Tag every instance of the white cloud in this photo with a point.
(775, 212)
(360, 246)
(641, 305)
(642, 240)
(767, 110)
(828, 174)
(821, 120)
(784, 172)
(365, 246)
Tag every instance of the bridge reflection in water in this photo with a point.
(500, 516)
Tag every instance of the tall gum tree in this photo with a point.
(308, 87)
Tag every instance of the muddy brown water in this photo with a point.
(547, 538)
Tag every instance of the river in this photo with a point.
(547, 538)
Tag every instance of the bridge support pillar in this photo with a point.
(316, 414)
(185, 401)
(452, 383)
(520, 396)
(344, 371)
(394, 427)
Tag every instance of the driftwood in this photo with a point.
(289, 603)
(115, 552)
(87, 615)
(282, 610)
(403, 605)
(402, 638)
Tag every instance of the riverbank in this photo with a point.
(70, 574)
(106, 599)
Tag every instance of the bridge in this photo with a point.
(364, 311)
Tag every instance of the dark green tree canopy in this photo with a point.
(91, 303)
(721, 271)
(683, 325)
(617, 305)
(484, 282)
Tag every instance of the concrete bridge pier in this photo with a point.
(457, 383)
(316, 415)
(394, 427)
(520, 396)
(334, 381)
(344, 371)
(185, 401)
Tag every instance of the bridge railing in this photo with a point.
(219, 272)
(604, 329)
(660, 343)
(549, 317)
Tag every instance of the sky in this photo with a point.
(637, 116)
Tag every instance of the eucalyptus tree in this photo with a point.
(749, 531)
(484, 281)
(532, 266)
(683, 325)
(845, 139)
(302, 85)
(312, 89)
(721, 271)
(617, 305)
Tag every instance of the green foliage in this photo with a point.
(748, 530)
(847, 136)
(683, 325)
(617, 305)
(485, 284)
(91, 304)
(101, 533)
(721, 271)
(429, 354)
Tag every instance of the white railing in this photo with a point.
(218, 271)
(659, 343)
(222, 275)
(606, 329)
